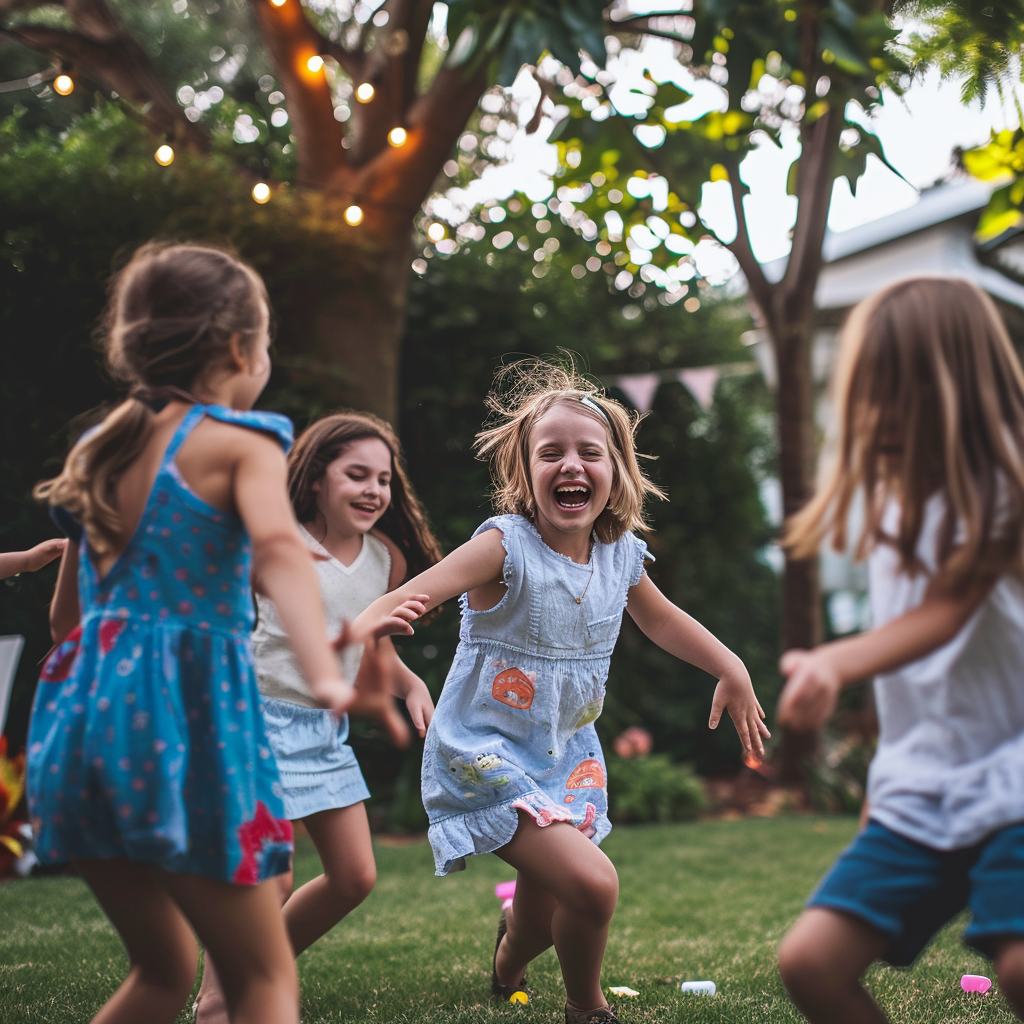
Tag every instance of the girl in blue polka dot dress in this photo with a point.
(148, 764)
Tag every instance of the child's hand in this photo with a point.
(398, 621)
(419, 704)
(735, 694)
(373, 697)
(335, 694)
(811, 691)
(44, 553)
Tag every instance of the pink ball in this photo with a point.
(975, 983)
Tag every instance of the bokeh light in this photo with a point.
(397, 136)
(364, 93)
(436, 232)
(63, 85)
(354, 215)
(315, 63)
(261, 192)
(164, 155)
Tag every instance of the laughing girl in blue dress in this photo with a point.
(512, 763)
(148, 764)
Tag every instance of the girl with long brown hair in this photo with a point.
(929, 398)
(148, 764)
(364, 528)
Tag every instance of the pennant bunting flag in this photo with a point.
(639, 388)
(700, 381)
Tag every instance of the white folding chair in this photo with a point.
(10, 653)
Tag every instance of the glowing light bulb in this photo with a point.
(164, 156)
(397, 136)
(277, 3)
(261, 192)
(315, 63)
(364, 93)
(436, 232)
(354, 215)
(63, 85)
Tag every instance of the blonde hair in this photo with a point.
(172, 312)
(524, 391)
(926, 363)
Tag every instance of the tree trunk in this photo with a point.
(801, 609)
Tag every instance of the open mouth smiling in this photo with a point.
(365, 508)
(572, 496)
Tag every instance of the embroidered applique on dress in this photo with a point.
(514, 728)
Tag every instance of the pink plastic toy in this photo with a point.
(975, 983)
(505, 891)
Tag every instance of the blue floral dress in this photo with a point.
(514, 728)
(146, 738)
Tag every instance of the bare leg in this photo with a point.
(569, 891)
(342, 839)
(242, 929)
(161, 950)
(1009, 961)
(821, 960)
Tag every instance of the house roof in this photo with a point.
(920, 240)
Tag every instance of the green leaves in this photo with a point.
(1000, 159)
(514, 33)
(855, 145)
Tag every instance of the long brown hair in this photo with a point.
(926, 366)
(523, 391)
(322, 442)
(171, 314)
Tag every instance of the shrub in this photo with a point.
(653, 789)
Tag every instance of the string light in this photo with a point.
(354, 215)
(436, 232)
(63, 85)
(315, 63)
(397, 136)
(364, 93)
(261, 192)
(164, 156)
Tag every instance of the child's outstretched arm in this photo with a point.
(680, 634)
(401, 682)
(13, 562)
(816, 678)
(64, 609)
(475, 563)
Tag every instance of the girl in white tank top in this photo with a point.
(365, 531)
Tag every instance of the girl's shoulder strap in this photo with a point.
(273, 423)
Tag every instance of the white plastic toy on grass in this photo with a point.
(704, 988)
(975, 983)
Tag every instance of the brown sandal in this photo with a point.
(602, 1015)
(506, 993)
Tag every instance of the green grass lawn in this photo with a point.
(705, 900)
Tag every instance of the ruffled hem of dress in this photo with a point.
(488, 829)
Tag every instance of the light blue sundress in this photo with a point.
(514, 728)
(146, 738)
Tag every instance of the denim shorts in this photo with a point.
(908, 891)
(318, 769)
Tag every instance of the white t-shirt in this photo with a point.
(949, 768)
(346, 590)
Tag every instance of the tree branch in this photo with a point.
(760, 288)
(112, 57)
(814, 195)
(291, 40)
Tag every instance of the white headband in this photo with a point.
(593, 406)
